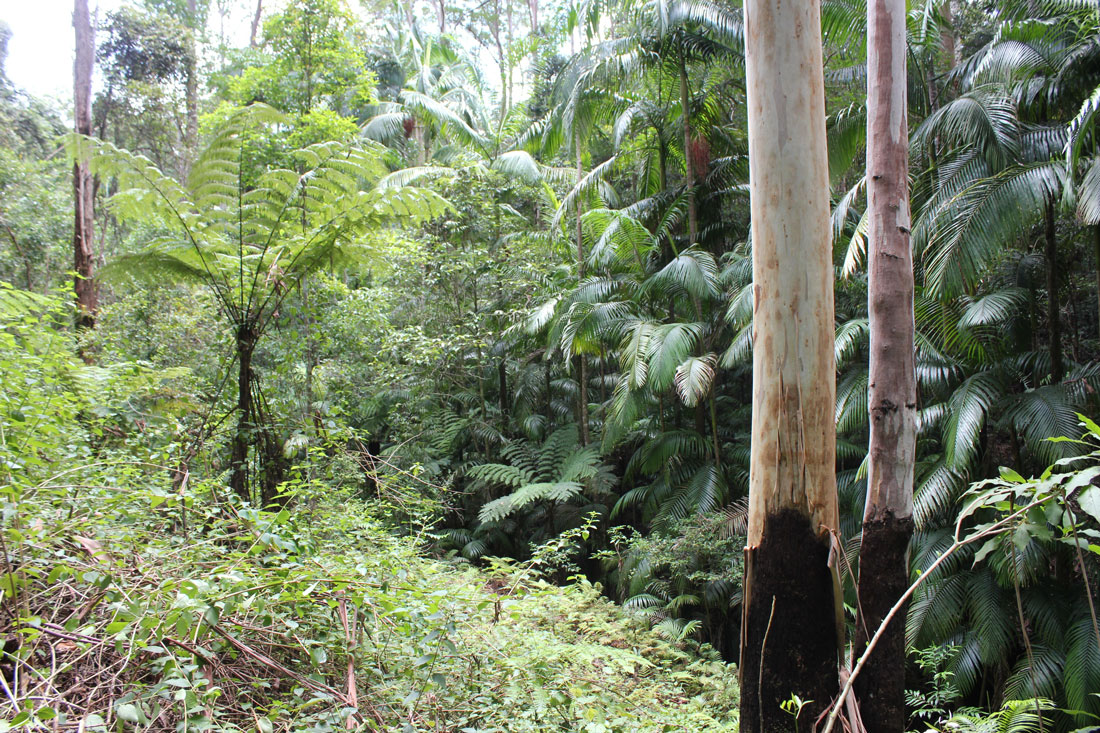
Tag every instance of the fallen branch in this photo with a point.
(269, 662)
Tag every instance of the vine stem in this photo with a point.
(992, 529)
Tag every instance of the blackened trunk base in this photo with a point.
(789, 647)
(883, 578)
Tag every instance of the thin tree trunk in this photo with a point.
(191, 90)
(310, 355)
(792, 616)
(1096, 252)
(83, 187)
(947, 35)
(533, 6)
(580, 362)
(888, 512)
(442, 17)
(254, 32)
(246, 345)
(1054, 321)
(689, 173)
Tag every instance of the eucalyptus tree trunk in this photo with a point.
(83, 185)
(792, 616)
(888, 513)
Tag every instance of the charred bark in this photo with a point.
(883, 578)
(787, 584)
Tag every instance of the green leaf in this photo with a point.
(989, 546)
(1089, 499)
(129, 713)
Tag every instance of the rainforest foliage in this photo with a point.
(419, 390)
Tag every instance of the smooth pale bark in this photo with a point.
(888, 513)
(792, 624)
(83, 185)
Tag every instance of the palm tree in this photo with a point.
(251, 245)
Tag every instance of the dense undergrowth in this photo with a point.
(136, 595)
(139, 593)
(143, 608)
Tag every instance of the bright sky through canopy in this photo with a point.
(40, 53)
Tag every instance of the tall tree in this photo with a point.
(191, 88)
(888, 512)
(83, 184)
(250, 247)
(792, 620)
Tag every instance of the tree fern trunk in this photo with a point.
(790, 636)
(888, 512)
(246, 345)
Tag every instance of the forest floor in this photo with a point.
(153, 610)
